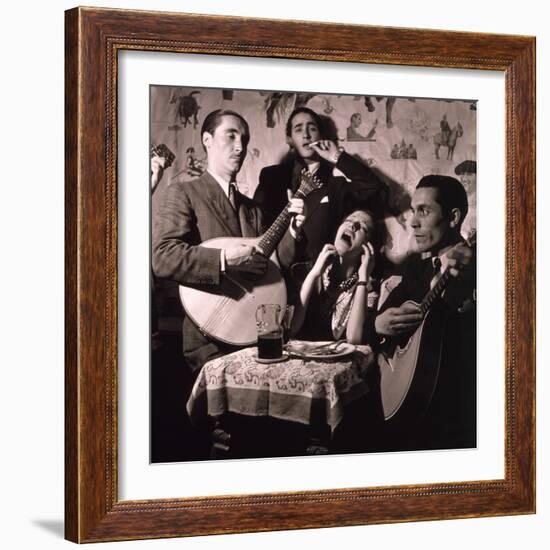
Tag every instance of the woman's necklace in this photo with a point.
(343, 286)
(338, 301)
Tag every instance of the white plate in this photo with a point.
(307, 350)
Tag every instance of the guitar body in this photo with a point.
(409, 374)
(227, 312)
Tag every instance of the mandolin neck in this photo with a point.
(439, 287)
(271, 238)
(435, 292)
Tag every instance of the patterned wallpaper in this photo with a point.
(402, 139)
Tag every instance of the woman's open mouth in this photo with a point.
(347, 238)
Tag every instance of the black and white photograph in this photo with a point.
(313, 273)
(228, 327)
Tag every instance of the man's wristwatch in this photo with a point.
(337, 156)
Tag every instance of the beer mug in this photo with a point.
(270, 331)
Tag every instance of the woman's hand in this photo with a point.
(325, 256)
(367, 262)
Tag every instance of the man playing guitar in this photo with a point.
(208, 208)
(439, 206)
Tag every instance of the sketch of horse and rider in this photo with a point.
(447, 137)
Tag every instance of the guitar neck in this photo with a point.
(439, 287)
(435, 292)
(274, 234)
(271, 238)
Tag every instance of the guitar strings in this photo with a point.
(218, 316)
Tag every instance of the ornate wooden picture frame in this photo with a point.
(94, 38)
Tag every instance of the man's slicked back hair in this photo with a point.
(450, 193)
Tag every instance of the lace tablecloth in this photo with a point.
(312, 392)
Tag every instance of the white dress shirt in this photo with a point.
(225, 188)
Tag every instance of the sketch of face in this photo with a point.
(356, 120)
(430, 226)
(468, 180)
(353, 232)
(304, 130)
(226, 148)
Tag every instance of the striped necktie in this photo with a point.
(232, 195)
(436, 263)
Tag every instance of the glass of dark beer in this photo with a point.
(270, 331)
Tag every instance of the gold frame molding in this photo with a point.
(93, 39)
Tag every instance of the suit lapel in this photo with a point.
(419, 277)
(313, 200)
(247, 218)
(221, 207)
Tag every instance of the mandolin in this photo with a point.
(227, 312)
(409, 373)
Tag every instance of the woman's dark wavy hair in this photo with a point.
(376, 238)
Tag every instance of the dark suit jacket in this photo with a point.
(451, 418)
(190, 213)
(327, 206)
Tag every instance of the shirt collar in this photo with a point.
(443, 257)
(313, 167)
(223, 183)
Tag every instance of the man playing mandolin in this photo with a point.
(439, 206)
(212, 207)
